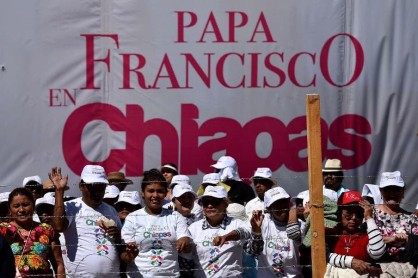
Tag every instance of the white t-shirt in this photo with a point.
(278, 251)
(254, 204)
(215, 261)
(155, 236)
(90, 253)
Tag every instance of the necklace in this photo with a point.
(347, 244)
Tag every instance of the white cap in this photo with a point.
(36, 179)
(373, 191)
(111, 192)
(131, 197)
(237, 211)
(391, 178)
(212, 178)
(225, 161)
(273, 195)
(302, 195)
(94, 174)
(47, 199)
(331, 194)
(215, 191)
(264, 173)
(4, 197)
(179, 179)
(182, 188)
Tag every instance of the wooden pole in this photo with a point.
(313, 116)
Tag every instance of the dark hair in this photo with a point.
(24, 192)
(153, 176)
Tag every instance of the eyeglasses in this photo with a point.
(349, 215)
(211, 201)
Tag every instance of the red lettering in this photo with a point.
(232, 26)
(199, 144)
(344, 133)
(292, 69)
(220, 73)
(181, 25)
(359, 62)
(90, 60)
(262, 22)
(126, 58)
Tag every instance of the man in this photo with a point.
(34, 184)
(118, 179)
(333, 176)
(239, 191)
(262, 181)
(91, 228)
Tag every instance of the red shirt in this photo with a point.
(342, 243)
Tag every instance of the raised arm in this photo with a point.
(59, 221)
(376, 246)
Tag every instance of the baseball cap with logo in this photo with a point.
(263, 173)
(273, 195)
(333, 165)
(215, 191)
(212, 178)
(349, 197)
(35, 179)
(111, 192)
(391, 178)
(130, 197)
(225, 161)
(94, 174)
(179, 179)
(182, 188)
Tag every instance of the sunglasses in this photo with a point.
(349, 215)
(211, 201)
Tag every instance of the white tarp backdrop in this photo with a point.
(132, 84)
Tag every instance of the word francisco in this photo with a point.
(208, 68)
(346, 134)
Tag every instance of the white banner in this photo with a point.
(133, 84)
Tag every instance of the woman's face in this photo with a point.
(21, 210)
(153, 195)
(392, 195)
(185, 203)
(214, 208)
(351, 218)
(168, 174)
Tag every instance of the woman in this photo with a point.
(169, 170)
(214, 258)
(30, 241)
(395, 223)
(154, 236)
(350, 246)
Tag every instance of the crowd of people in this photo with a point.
(224, 228)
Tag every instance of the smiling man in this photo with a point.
(91, 227)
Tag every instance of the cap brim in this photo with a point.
(270, 179)
(88, 180)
